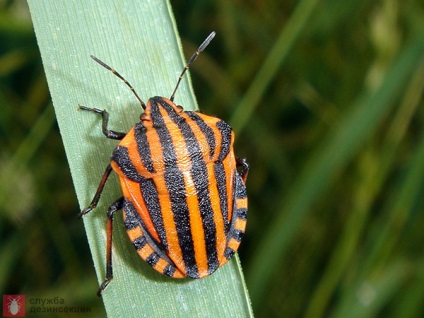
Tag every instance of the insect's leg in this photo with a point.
(111, 134)
(241, 162)
(99, 191)
(116, 206)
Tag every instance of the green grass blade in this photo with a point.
(139, 40)
(371, 296)
(374, 176)
(357, 301)
(278, 53)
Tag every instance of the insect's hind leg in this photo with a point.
(242, 162)
(111, 134)
(114, 207)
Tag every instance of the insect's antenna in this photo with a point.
(191, 60)
(121, 77)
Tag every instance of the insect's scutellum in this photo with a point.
(184, 201)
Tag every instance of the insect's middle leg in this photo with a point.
(111, 134)
(99, 191)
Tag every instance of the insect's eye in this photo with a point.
(144, 117)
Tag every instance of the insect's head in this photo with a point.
(158, 107)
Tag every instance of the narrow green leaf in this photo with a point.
(288, 35)
(138, 39)
(370, 296)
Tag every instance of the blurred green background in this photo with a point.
(326, 100)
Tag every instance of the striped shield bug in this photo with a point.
(184, 197)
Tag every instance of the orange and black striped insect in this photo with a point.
(184, 198)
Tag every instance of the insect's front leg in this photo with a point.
(111, 134)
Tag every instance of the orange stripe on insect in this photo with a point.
(145, 251)
(134, 154)
(240, 224)
(229, 169)
(217, 216)
(135, 233)
(241, 203)
(184, 165)
(174, 246)
(233, 244)
(212, 187)
(228, 163)
(154, 145)
(201, 139)
(163, 194)
(161, 265)
(196, 225)
(132, 190)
